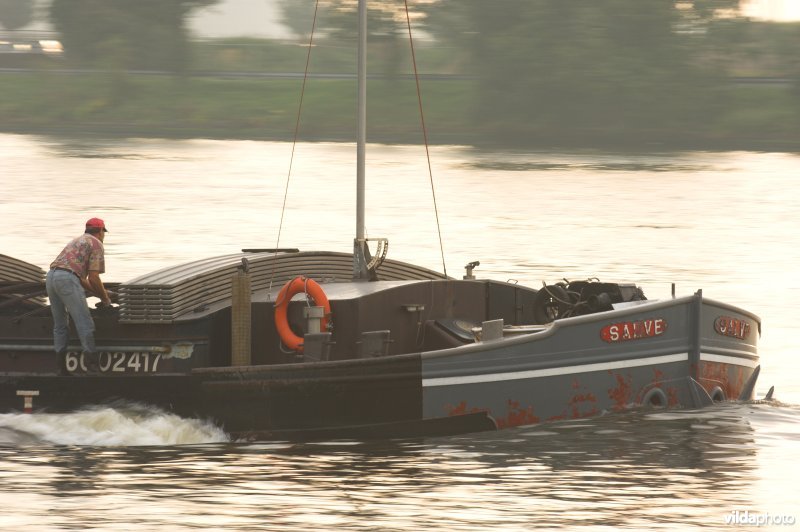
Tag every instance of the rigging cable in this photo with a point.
(294, 143)
(425, 135)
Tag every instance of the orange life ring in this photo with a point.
(297, 285)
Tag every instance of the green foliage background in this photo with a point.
(526, 73)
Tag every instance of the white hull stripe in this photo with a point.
(738, 361)
(549, 372)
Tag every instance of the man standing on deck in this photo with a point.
(77, 268)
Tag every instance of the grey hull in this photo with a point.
(570, 371)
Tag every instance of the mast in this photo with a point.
(360, 250)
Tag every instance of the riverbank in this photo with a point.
(119, 104)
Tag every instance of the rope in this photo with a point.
(425, 134)
(294, 143)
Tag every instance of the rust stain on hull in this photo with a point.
(671, 391)
(461, 408)
(730, 379)
(579, 402)
(621, 395)
(672, 397)
(517, 415)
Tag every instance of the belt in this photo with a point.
(67, 270)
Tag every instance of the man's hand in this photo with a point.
(97, 288)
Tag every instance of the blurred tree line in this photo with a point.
(530, 70)
(578, 70)
(567, 69)
(337, 23)
(126, 34)
(15, 14)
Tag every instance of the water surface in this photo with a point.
(725, 223)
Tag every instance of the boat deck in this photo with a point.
(191, 290)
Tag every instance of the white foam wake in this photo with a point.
(117, 425)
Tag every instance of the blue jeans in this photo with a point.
(67, 298)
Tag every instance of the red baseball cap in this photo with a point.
(97, 222)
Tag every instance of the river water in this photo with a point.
(725, 223)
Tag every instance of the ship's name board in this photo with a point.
(633, 330)
(735, 327)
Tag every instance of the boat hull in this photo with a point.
(679, 353)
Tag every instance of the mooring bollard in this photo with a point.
(313, 316)
(240, 318)
(28, 396)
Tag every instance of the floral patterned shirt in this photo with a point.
(81, 255)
